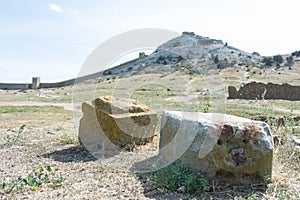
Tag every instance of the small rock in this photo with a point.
(277, 139)
(296, 141)
(181, 189)
(237, 151)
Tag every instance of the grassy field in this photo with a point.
(34, 136)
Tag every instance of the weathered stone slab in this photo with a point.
(91, 134)
(218, 145)
(117, 122)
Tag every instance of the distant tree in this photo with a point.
(278, 59)
(223, 64)
(179, 58)
(226, 44)
(268, 61)
(289, 61)
(255, 53)
(234, 62)
(160, 58)
(216, 59)
(296, 53)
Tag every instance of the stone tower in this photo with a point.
(36, 81)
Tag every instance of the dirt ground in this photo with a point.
(45, 140)
(49, 137)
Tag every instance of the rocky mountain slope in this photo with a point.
(190, 51)
(203, 51)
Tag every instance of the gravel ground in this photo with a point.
(42, 143)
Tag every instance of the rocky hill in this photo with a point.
(190, 51)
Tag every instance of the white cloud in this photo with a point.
(55, 8)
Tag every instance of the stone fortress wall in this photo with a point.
(37, 84)
(257, 90)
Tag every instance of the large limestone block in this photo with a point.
(91, 134)
(117, 121)
(218, 145)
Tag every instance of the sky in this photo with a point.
(52, 39)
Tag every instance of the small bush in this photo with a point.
(59, 128)
(205, 107)
(180, 58)
(66, 139)
(216, 59)
(278, 59)
(268, 61)
(255, 53)
(178, 64)
(13, 140)
(296, 53)
(36, 178)
(177, 175)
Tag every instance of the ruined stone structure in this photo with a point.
(142, 55)
(257, 90)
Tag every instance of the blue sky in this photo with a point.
(52, 39)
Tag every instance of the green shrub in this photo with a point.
(205, 107)
(66, 139)
(255, 53)
(14, 139)
(177, 175)
(216, 59)
(268, 61)
(278, 59)
(36, 178)
(296, 53)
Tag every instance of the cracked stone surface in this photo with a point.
(108, 121)
(218, 145)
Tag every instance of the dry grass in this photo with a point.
(49, 138)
